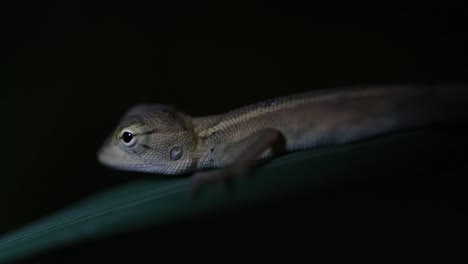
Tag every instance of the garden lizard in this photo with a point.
(160, 139)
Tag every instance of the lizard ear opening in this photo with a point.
(176, 153)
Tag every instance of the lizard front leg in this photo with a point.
(244, 152)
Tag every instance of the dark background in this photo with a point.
(74, 67)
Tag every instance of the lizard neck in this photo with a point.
(205, 153)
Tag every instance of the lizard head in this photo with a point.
(151, 138)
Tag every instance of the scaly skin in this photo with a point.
(167, 141)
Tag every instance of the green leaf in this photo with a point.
(144, 203)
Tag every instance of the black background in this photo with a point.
(74, 67)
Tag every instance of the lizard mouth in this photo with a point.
(114, 158)
(110, 159)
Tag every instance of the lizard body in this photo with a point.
(160, 139)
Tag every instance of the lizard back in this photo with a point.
(334, 116)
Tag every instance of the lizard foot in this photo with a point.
(223, 177)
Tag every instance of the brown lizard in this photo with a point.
(163, 140)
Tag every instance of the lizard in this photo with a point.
(161, 139)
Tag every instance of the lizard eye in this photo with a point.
(128, 139)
